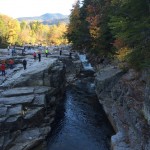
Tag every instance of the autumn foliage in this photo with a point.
(112, 28)
(14, 32)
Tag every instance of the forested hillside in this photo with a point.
(14, 32)
(49, 19)
(113, 28)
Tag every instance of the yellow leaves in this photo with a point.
(56, 34)
(11, 31)
(122, 53)
(95, 32)
(94, 28)
(11, 28)
(93, 19)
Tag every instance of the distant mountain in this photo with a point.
(47, 18)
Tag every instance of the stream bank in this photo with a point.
(80, 120)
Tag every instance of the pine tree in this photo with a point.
(73, 30)
(130, 21)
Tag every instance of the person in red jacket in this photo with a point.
(3, 69)
(11, 63)
(34, 55)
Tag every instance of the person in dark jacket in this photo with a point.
(24, 64)
(60, 52)
(39, 55)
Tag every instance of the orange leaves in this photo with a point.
(119, 43)
(93, 20)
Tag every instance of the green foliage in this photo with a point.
(73, 30)
(98, 25)
(88, 28)
(139, 58)
(130, 21)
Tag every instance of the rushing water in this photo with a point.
(85, 63)
(81, 124)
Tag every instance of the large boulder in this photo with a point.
(28, 101)
(123, 96)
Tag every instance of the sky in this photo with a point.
(30, 8)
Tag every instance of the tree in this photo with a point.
(13, 31)
(97, 17)
(73, 29)
(9, 29)
(88, 28)
(56, 34)
(130, 21)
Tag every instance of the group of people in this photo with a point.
(12, 48)
(39, 54)
(3, 66)
(24, 62)
(10, 64)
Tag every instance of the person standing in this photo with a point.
(46, 52)
(3, 68)
(23, 51)
(8, 48)
(34, 55)
(39, 55)
(14, 49)
(70, 54)
(12, 52)
(60, 52)
(24, 64)
(11, 63)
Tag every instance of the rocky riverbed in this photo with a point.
(28, 100)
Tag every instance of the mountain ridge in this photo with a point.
(47, 18)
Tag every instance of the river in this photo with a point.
(81, 123)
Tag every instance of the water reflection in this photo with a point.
(80, 124)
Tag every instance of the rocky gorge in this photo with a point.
(125, 97)
(28, 102)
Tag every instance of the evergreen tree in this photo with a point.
(98, 17)
(73, 29)
(88, 28)
(130, 21)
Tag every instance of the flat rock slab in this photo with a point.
(3, 111)
(40, 100)
(17, 100)
(30, 138)
(16, 110)
(13, 119)
(42, 89)
(33, 113)
(24, 75)
(18, 91)
(27, 91)
(108, 73)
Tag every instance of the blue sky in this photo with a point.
(29, 8)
